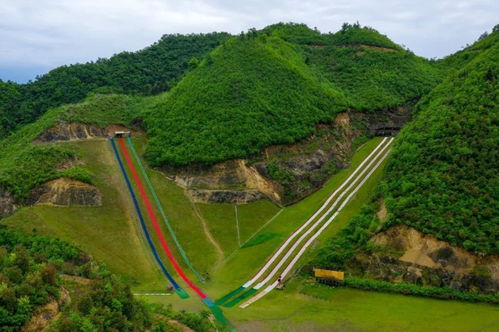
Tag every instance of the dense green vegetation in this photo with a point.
(259, 88)
(249, 93)
(273, 86)
(411, 289)
(152, 70)
(371, 70)
(28, 274)
(456, 61)
(442, 177)
(29, 277)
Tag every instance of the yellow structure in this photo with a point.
(329, 274)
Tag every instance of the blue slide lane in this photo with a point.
(141, 218)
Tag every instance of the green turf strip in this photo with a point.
(182, 293)
(227, 296)
(240, 298)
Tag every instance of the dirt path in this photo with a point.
(216, 245)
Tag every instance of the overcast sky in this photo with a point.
(38, 35)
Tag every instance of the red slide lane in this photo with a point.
(155, 222)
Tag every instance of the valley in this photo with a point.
(204, 196)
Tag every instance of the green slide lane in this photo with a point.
(224, 299)
(162, 212)
(241, 297)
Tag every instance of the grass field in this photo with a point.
(224, 226)
(302, 307)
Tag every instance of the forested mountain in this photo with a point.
(370, 69)
(152, 70)
(442, 176)
(273, 86)
(253, 91)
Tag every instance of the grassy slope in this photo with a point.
(110, 233)
(182, 217)
(223, 226)
(248, 259)
(343, 308)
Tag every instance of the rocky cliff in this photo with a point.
(8, 203)
(67, 131)
(288, 173)
(403, 254)
(59, 192)
(66, 192)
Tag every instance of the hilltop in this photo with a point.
(154, 69)
(275, 85)
(251, 92)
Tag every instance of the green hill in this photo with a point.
(253, 91)
(442, 176)
(273, 86)
(149, 71)
(371, 70)
(456, 61)
(261, 88)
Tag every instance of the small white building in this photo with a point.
(121, 134)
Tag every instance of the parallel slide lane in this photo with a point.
(206, 300)
(296, 257)
(177, 288)
(308, 227)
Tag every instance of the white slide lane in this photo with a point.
(311, 239)
(298, 231)
(318, 222)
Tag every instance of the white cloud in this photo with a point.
(48, 33)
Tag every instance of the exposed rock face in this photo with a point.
(44, 315)
(225, 196)
(223, 179)
(77, 131)
(8, 203)
(385, 123)
(66, 192)
(70, 131)
(424, 260)
(287, 173)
